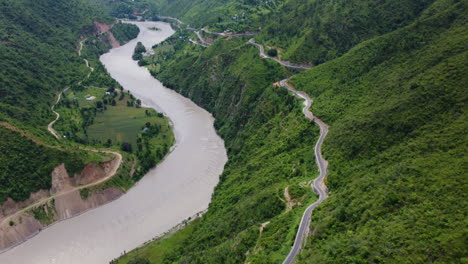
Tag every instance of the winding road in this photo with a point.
(229, 34)
(51, 124)
(318, 184)
(284, 63)
(109, 175)
(202, 40)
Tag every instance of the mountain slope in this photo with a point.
(395, 103)
(320, 30)
(37, 59)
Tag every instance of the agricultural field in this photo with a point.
(121, 123)
(96, 115)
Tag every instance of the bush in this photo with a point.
(140, 48)
(125, 32)
(139, 261)
(127, 147)
(272, 52)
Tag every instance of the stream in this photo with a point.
(178, 188)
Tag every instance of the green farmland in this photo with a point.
(121, 123)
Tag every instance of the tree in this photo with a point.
(127, 147)
(137, 56)
(272, 53)
(140, 48)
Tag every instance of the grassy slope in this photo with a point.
(396, 105)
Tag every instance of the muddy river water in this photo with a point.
(176, 189)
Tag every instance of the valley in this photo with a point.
(281, 131)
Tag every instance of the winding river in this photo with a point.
(176, 189)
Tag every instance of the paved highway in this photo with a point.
(230, 34)
(319, 184)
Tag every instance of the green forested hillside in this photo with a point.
(269, 146)
(391, 84)
(38, 58)
(38, 54)
(25, 166)
(396, 105)
(320, 30)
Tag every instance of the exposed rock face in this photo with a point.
(67, 203)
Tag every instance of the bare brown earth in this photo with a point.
(105, 29)
(290, 203)
(17, 224)
(10, 207)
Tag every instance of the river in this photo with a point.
(176, 189)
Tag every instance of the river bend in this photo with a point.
(176, 189)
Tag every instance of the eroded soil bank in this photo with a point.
(17, 225)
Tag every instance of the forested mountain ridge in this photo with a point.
(321, 30)
(396, 105)
(393, 93)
